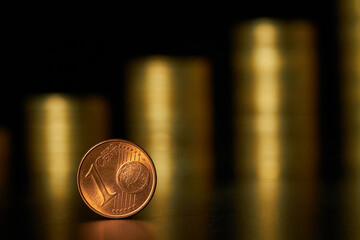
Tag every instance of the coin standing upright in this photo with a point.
(116, 178)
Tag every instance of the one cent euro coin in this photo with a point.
(116, 178)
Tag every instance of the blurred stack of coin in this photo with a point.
(60, 128)
(170, 116)
(275, 100)
(350, 65)
(275, 123)
(350, 62)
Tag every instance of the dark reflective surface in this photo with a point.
(115, 229)
(288, 211)
(271, 209)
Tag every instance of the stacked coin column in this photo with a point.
(61, 128)
(275, 114)
(349, 16)
(275, 117)
(169, 102)
(350, 63)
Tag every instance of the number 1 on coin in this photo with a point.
(100, 184)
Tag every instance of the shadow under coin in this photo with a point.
(115, 229)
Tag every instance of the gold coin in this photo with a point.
(116, 178)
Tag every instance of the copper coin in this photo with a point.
(116, 178)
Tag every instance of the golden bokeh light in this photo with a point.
(57, 145)
(350, 66)
(158, 113)
(265, 63)
(60, 129)
(349, 33)
(275, 114)
(169, 101)
(275, 101)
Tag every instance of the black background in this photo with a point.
(84, 47)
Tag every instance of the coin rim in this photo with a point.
(142, 206)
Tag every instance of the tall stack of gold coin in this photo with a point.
(275, 121)
(275, 98)
(61, 128)
(170, 116)
(350, 63)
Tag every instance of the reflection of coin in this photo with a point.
(116, 178)
(133, 177)
(113, 229)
